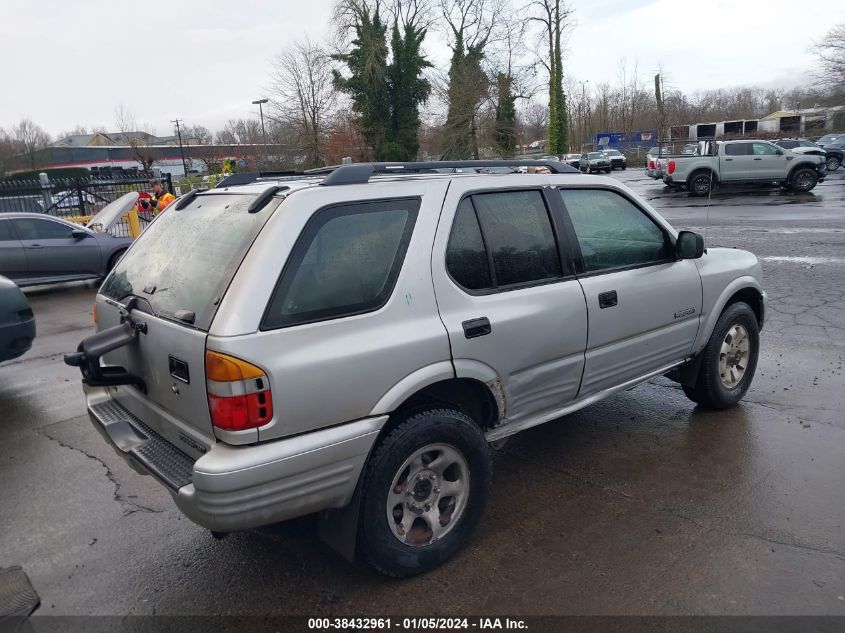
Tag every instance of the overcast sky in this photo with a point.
(68, 63)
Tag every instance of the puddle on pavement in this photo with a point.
(806, 260)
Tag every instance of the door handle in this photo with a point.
(477, 327)
(34, 246)
(608, 299)
(758, 159)
(727, 160)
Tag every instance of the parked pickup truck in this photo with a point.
(735, 162)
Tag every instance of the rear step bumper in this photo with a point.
(240, 487)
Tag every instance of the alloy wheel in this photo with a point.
(428, 495)
(733, 356)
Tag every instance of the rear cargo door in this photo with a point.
(178, 271)
(170, 358)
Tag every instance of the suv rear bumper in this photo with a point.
(240, 487)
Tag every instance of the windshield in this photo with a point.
(186, 258)
(612, 152)
(594, 155)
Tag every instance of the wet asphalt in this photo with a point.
(641, 504)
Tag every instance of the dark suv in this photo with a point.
(833, 155)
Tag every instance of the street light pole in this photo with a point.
(260, 103)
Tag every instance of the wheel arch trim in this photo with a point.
(738, 285)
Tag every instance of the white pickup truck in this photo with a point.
(742, 162)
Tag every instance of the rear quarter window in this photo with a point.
(345, 262)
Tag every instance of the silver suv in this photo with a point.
(350, 342)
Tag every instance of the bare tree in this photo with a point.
(240, 132)
(211, 156)
(534, 120)
(8, 149)
(304, 96)
(197, 135)
(471, 25)
(831, 53)
(136, 136)
(29, 139)
(78, 130)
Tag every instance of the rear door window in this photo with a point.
(187, 257)
(736, 149)
(345, 262)
(519, 235)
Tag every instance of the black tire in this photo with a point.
(803, 179)
(700, 183)
(624, 167)
(833, 163)
(114, 259)
(379, 545)
(709, 390)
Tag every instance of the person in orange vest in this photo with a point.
(160, 199)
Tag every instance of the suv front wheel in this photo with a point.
(425, 487)
(804, 179)
(729, 359)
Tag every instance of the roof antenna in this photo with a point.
(709, 193)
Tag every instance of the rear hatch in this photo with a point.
(178, 270)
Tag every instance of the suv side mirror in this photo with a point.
(78, 234)
(690, 245)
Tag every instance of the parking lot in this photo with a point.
(641, 504)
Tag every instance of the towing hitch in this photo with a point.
(91, 349)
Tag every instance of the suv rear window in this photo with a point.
(186, 258)
(345, 262)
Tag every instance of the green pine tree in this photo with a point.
(561, 125)
(407, 89)
(386, 96)
(367, 83)
(467, 87)
(504, 133)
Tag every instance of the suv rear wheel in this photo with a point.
(424, 490)
(729, 359)
(833, 163)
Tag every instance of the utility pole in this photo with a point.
(181, 151)
(584, 113)
(260, 103)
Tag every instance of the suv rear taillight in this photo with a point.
(238, 393)
(671, 167)
(651, 164)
